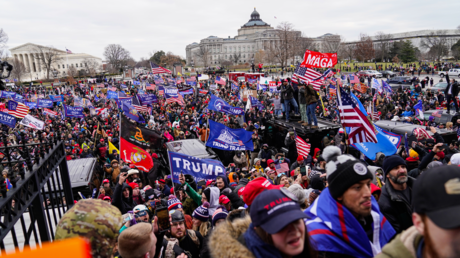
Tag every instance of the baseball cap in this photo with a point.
(107, 198)
(105, 181)
(140, 207)
(436, 193)
(255, 187)
(223, 199)
(273, 210)
(133, 185)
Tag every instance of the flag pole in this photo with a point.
(170, 171)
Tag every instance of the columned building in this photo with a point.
(29, 53)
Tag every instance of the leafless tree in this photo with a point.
(383, 45)
(48, 56)
(259, 57)
(116, 56)
(348, 51)
(365, 48)
(203, 54)
(436, 44)
(3, 40)
(286, 46)
(92, 65)
(235, 58)
(170, 59)
(19, 69)
(226, 63)
(72, 71)
(332, 43)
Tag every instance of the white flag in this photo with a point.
(32, 122)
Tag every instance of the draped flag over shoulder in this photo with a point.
(303, 148)
(361, 129)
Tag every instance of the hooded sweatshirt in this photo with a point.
(213, 199)
(119, 201)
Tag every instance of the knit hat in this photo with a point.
(343, 171)
(220, 213)
(391, 162)
(455, 159)
(299, 158)
(174, 203)
(201, 213)
(441, 155)
(298, 192)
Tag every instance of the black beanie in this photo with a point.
(343, 171)
(207, 193)
(391, 162)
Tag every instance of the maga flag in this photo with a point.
(313, 59)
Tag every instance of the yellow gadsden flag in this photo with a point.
(112, 147)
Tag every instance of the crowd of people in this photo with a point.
(329, 203)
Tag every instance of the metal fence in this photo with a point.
(40, 194)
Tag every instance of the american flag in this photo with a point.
(421, 134)
(220, 80)
(20, 112)
(179, 100)
(137, 105)
(361, 129)
(375, 97)
(150, 86)
(308, 76)
(332, 90)
(68, 51)
(281, 168)
(156, 69)
(375, 114)
(328, 73)
(49, 112)
(353, 78)
(303, 148)
(437, 113)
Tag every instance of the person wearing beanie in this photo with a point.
(345, 219)
(175, 204)
(200, 218)
(396, 197)
(219, 216)
(299, 192)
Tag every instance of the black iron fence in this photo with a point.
(40, 191)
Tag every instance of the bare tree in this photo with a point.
(332, 43)
(92, 65)
(170, 59)
(235, 58)
(259, 57)
(19, 69)
(203, 54)
(348, 51)
(3, 40)
(383, 45)
(436, 44)
(72, 71)
(116, 56)
(48, 56)
(286, 45)
(365, 48)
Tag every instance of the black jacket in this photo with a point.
(395, 209)
(122, 203)
(454, 87)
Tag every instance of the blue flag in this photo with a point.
(121, 101)
(12, 105)
(419, 109)
(44, 103)
(218, 104)
(224, 138)
(122, 94)
(57, 98)
(200, 169)
(358, 102)
(112, 94)
(255, 102)
(387, 87)
(7, 119)
(147, 99)
(96, 98)
(406, 142)
(132, 113)
(73, 111)
(387, 143)
(31, 105)
(8, 94)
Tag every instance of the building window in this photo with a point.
(81, 65)
(76, 65)
(59, 67)
(67, 66)
(86, 65)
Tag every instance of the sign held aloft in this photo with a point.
(313, 59)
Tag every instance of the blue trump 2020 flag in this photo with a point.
(224, 138)
(200, 169)
(7, 119)
(218, 104)
(132, 113)
(112, 95)
(73, 111)
(44, 103)
(387, 143)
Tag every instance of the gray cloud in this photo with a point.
(142, 26)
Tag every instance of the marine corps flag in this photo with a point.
(131, 153)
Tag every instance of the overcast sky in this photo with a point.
(142, 26)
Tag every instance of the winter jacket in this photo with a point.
(397, 211)
(226, 237)
(242, 183)
(310, 95)
(264, 154)
(119, 201)
(302, 99)
(287, 92)
(277, 102)
(404, 245)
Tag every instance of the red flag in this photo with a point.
(130, 153)
(313, 59)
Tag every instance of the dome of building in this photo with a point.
(255, 20)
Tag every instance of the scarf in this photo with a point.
(258, 247)
(334, 228)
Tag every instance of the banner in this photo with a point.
(361, 87)
(31, 105)
(313, 59)
(8, 94)
(122, 101)
(220, 105)
(7, 119)
(140, 136)
(387, 143)
(112, 95)
(18, 97)
(44, 103)
(132, 113)
(73, 111)
(49, 112)
(255, 102)
(147, 99)
(130, 153)
(224, 138)
(57, 98)
(200, 169)
(183, 87)
(12, 105)
(32, 122)
(246, 93)
(186, 92)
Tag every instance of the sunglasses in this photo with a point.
(140, 214)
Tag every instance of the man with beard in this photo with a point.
(436, 230)
(189, 240)
(141, 213)
(396, 198)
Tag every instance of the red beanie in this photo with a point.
(440, 154)
(299, 158)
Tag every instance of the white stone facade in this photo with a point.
(28, 54)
